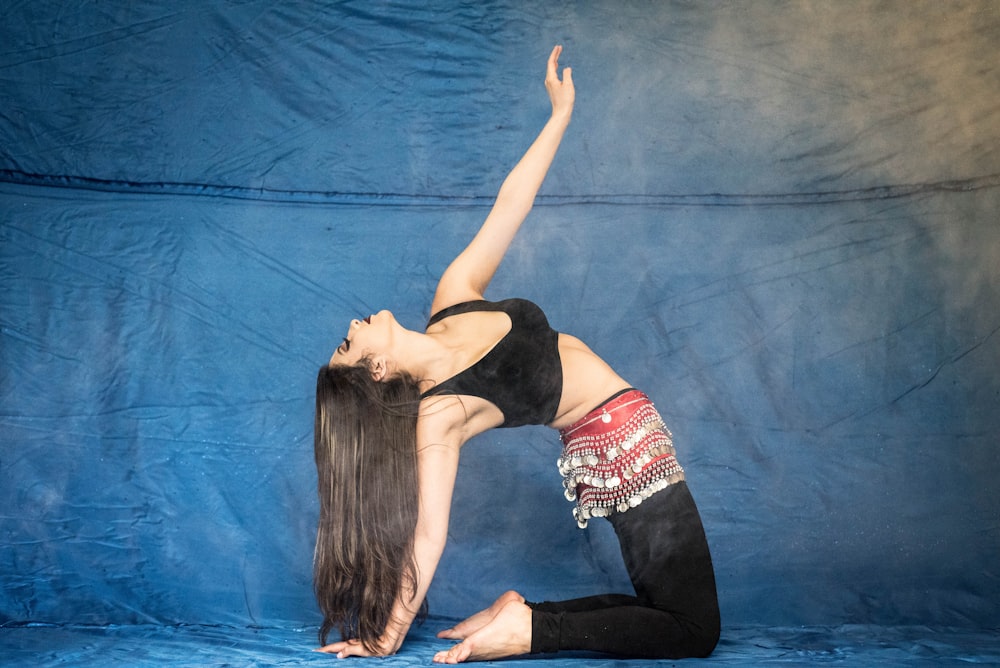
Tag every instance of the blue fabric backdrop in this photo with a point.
(779, 219)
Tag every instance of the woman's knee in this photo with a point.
(705, 636)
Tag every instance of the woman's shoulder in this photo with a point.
(459, 308)
(512, 306)
(448, 296)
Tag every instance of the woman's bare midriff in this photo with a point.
(587, 381)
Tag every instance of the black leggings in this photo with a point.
(675, 613)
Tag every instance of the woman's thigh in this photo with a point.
(666, 554)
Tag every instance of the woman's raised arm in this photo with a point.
(469, 274)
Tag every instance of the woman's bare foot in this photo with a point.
(507, 634)
(465, 628)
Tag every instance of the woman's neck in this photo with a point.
(422, 356)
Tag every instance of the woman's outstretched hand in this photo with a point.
(561, 92)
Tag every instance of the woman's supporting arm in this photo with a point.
(469, 274)
(437, 467)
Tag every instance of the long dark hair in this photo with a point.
(366, 461)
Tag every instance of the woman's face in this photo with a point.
(370, 336)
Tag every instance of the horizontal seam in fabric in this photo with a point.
(74, 182)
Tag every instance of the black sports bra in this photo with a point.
(522, 374)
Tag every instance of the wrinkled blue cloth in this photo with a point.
(778, 219)
(156, 645)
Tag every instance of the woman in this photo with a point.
(393, 409)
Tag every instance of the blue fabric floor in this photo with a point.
(155, 645)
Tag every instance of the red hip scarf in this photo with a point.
(615, 456)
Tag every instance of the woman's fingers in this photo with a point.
(553, 67)
(345, 648)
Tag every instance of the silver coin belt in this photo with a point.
(618, 469)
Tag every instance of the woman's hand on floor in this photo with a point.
(353, 647)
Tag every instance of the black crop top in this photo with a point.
(522, 374)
